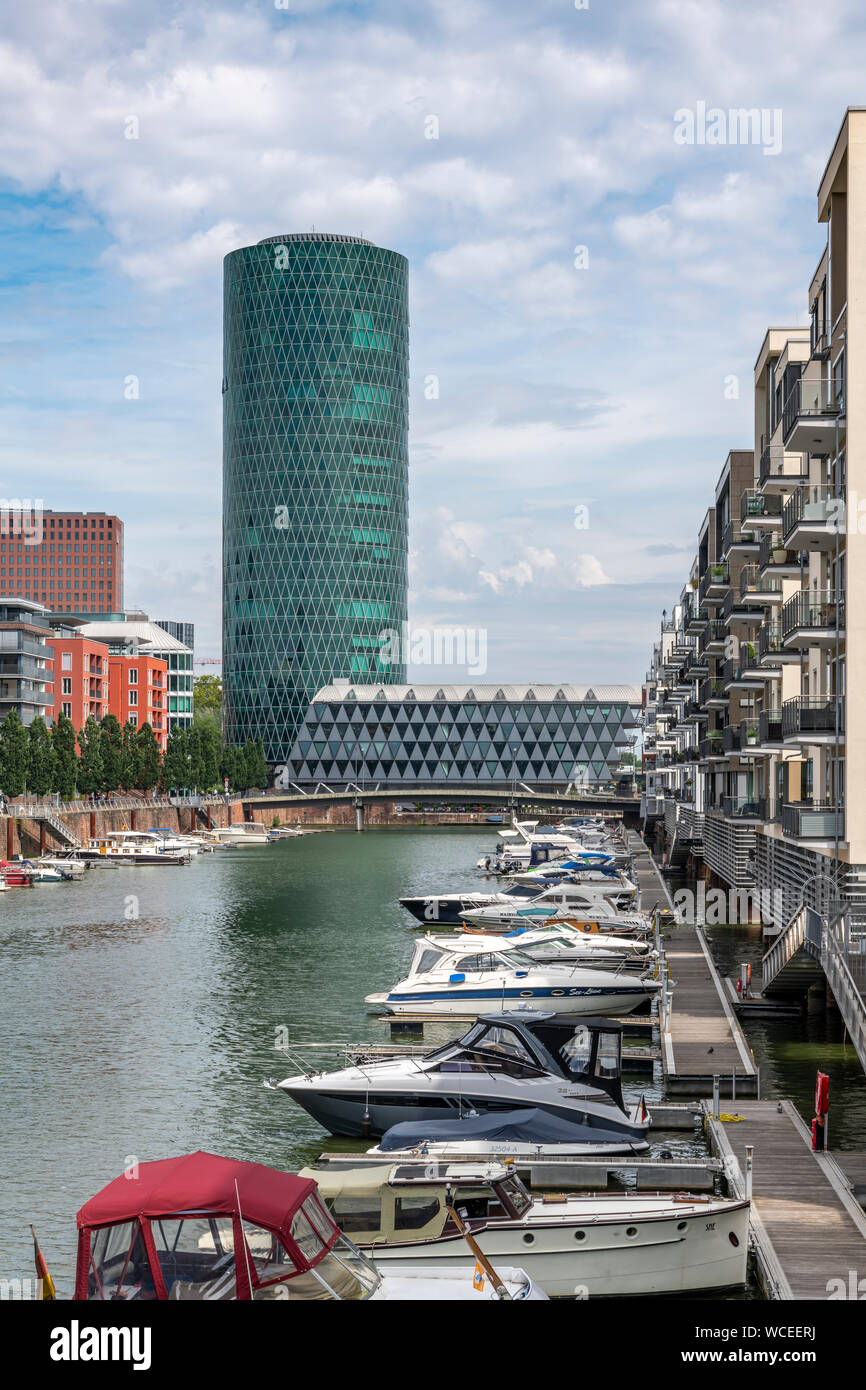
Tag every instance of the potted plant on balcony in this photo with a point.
(751, 734)
(780, 554)
(714, 735)
(719, 571)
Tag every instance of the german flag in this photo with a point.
(48, 1290)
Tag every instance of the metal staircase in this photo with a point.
(788, 967)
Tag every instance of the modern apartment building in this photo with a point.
(138, 692)
(315, 476)
(26, 656)
(755, 737)
(134, 635)
(80, 678)
(183, 632)
(70, 562)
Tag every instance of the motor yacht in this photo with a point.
(465, 981)
(129, 847)
(514, 1136)
(566, 1065)
(563, 943)
(571, 1245)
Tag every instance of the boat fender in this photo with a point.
(456, 979)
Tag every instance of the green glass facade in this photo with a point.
(315, 475)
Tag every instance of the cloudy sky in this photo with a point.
(595, 378)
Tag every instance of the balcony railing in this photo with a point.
(813, 820)
(818, 506)
(738, 535)
(755, 506)
(754, 584)
(711, 689)
(810, 400)
(813, 610)
(769, 639)
(744, 807)
(738, 668)
(781, 465)
(711, 746)
(770, 726)
(812, 714)
(715, 631)
(731, 739)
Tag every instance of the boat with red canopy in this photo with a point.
(205, 1227)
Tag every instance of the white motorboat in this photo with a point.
(524, 1136)
(451, 907)
(563, 900)
(466, 981)
(129, 847)
(567, 1066)
(239, 836)
(572, 1246)
(44, 873)
(563, 943)
(68, 866)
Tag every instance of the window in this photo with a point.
(133, 676)
(411, 1213)
(133, 697)
(67, 685)
(357, 1213)
(196, 1253)
(66, 662)
(67, 710)
(118, 1263)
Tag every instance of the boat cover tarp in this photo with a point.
(526, 1125)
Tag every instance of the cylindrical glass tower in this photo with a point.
(315, 476)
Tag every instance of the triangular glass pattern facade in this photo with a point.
(464, 743)
(315, 476)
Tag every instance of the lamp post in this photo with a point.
(515, 747)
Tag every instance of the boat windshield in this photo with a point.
(516, 1194)
(428, 960)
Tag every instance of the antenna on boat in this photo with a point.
(244, 1239)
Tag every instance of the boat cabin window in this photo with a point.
(428, 960)
(357, 1213)
(576, 1050)
(517, 1195)
(411, 1213)
(504, 1040)
(119, 1266)
(478, 964)
(268, 1255)
(607, 1062)
(196, 1256)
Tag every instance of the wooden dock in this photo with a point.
(700, 1035)
(807, 1226)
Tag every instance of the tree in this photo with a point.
(256, 769)
(65, 757)
(14, 750)
(90, 765)
(41, 759)
(111, 752)
(207, 698)
(229, 768)
(129, 760)
(175, 763)
(209, 752)
(148, 757)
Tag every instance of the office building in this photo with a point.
(315, 471)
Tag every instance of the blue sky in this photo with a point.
(601, 386)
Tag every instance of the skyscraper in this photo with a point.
(315, 475)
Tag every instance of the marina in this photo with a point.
(668, 1141)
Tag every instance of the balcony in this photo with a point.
(775, 560)
(781, 470)
(810, 416)
(712, 694)
(711, 746)
(718, 578)
(697, 621)
(746, 808)
(739, 538)
(813, 820)
(812, 719)
(731, 738)
(738, 674)
(757, 588)
(770, 728)
(761, 509)
(712, 639)
(810, 619)
(761, 736)
(813, 518)
(694, 711)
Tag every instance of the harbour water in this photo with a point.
(143, 1008)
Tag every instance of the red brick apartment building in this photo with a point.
(87, 680)
(72, 562)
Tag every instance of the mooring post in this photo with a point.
(715, 1095)
(733, 1083)
(359, 814)
(749, 1150)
